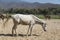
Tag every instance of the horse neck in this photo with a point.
(37, 20)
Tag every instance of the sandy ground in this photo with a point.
(52, 33)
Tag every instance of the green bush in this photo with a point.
(52, 16)
(40, 16)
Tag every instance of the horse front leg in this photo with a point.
(28, 30)
(31, 29)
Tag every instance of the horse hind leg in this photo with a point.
(14, 27)
(14, 30)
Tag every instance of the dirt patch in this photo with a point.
(52, 33)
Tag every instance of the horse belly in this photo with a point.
(25, 22)
(26, 19)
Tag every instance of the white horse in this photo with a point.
(30, 20)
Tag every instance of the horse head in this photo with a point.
(44, 26)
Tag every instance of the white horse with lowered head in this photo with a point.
(30, 20)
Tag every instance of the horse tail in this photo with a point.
(7, 19)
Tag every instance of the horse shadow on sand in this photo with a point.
(22, 35)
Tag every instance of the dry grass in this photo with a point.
(53, 31)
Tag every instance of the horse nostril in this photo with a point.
(45, 30)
